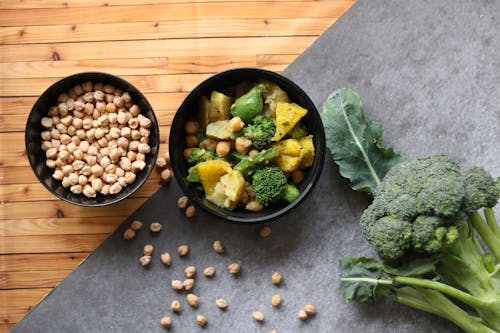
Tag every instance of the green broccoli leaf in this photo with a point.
(356, 142)
(361, 279)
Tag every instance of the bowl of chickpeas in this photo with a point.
(247, 145)
(92, 139)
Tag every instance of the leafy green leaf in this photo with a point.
(362, 279)
(355, 141)
(414, 268)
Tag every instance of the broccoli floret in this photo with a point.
(290, 192)
(193, 175)
(260, 132)
(480, 189)
(248, 165)
(430, 194)
(391, 238)
(199, 155)
(268, 184)
(298, 131)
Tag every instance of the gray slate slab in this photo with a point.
(429, 70)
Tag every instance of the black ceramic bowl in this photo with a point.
(36, 155)
(225, 82)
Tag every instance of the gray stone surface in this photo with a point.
(428, 69)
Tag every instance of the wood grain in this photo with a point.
(164, 48)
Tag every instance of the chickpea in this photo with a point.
(47, 122)
(191, 127)
(82, 180)
(110, 107)
(175, 306)
(129, 177)
(145, 122)
(58, 174)
(53, 111)
(254, 206)
(54, 134)
(258, 316)
(109, 89)
(208, 144)
(138, 165)
(155, 227)
(297, 176)
(73, 178)
(223, 148)
(276, 278)
(125, 132)
(140, 157)
(166, 175)
(187, 152)
(105, 189)
(112, 117)
(145, 261)
(148, 249)
(190, 271)
(45, 135)
(302, 315)
(188, 284)
(310, 309)
(165, 259)
(133, 123)
(265, 231)
(62, 97)
(67, 169)
(233, 268)
(191, 141)
(201, 320)
(115, 188)
(276, 300)
(253, 152)
(118, 101)
(126, 97)
(121, 180)
(97, 184)
(46, 145)
(236, 124)
(218, 247)
(183, 202)
(144, 148)
(76, 189)
(166, 322)
(183, 250)
(86, 171)
(209, 271)
(193, 300)
(88, 191)
(122, 117)
(242, 144)
(51, 153)
(190, 212)
(177, 285)
(135, 110)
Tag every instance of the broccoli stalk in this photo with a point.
(249, 164)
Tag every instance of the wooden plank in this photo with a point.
(22, 4)
(31, 279)
(41, 261)
(166, 12)
(19, 226)
(16, 303)
(142, 66)
(199, 28)
(145, 83)
(229, 47)
(275, 62)
(51, 209)
(4, 328)
(51, 243)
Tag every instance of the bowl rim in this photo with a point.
(149, 170)
(317, 166)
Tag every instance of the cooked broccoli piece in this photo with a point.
(260, 132)
(193, 175)
(298, 131)
(199, 155)
(248, 165)
(268, 183)
(290, 192)
(429, 194)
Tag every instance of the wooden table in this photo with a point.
(164, 49)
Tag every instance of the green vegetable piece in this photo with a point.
(199, 155)
(268, 184)
(248, 106)
(193, 175)
(356, 142)
(248, 165)
(260, 132)
(290, 192)
(298, 131)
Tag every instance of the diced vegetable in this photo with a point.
(219, 130)
(228, 190)
(272, 96)
(222, 104)
(249, 105)
(210, 172)
(287, 116)
(306, 152)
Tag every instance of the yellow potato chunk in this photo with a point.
(272, 96)
(227, 192)
(290, 147)
(287, 116)
(287, 163)
(222, 105)
(210, 173)
(219, 130)
(306, 152)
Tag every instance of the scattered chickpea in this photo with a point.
(265, 231)
(310, 309)
(175, 306)
(223, 148)
(276, 278)
(183, 250)
(136, 225)
(236, 124)
(218, 247)
(191, 127)
(129, 234)
(161, 162)
(188, 284)
(155, 227)
(201, 320)
(177, 285)
(190, 271)
(190, 211)
(233, 268)
(209, 271)
(165, 259)
(274, 331)
(166, 322)
(302, 315)
(276, 300)
(183, 202)
(166, 175)
(193, 300)
(221, 303)
(258, 316)
(145, 260)
(148, 250)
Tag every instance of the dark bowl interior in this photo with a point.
(225, 82)
(36, 155)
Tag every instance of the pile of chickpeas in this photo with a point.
(95, 139)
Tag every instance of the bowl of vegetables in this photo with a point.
(247, 145)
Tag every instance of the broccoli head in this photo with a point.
(268, 184)
(199, 155)
(290, 192)
(430, 195)
(260, 132)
